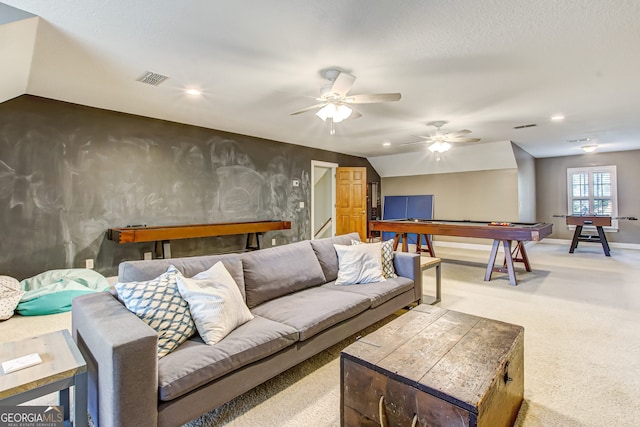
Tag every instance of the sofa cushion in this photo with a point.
(326, 253)
(159, 304)
(378, 293)
(215, 302)
(273, 272)
(360, 263)
(313, 310)
(194, 363)
(130, 271)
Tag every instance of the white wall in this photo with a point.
(17, 42)
(478, 196)
(460, 158)
(526, 185)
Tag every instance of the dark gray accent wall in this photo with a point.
(70, 172)
(551, 191)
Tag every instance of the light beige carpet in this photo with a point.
(581, 314)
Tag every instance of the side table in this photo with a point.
(62, 367)
(425, 264)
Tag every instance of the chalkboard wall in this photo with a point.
(69, 172)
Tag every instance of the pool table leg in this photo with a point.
(508, 259)
(519, 254)
(492, 260)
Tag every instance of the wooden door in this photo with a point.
(351, 201)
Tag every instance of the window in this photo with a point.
(592, 191)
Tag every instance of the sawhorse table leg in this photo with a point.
(508, 260)
(429, 249)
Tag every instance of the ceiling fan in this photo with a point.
(335, 101)
(441, 141)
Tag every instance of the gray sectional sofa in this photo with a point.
(298, 312)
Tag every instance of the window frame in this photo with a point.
(590, 170)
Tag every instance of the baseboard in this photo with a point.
(614, 245)
(561, 242)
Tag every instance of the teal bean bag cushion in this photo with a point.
(52, 291)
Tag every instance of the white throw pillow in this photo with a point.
(10, 294)
(388, 269)
(215, 302)
(359, 264)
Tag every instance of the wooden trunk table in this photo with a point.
(434, 367)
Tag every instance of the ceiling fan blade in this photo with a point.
(462, 139)
(372, 98)
(424, 138)
(414, 142)
(460, 132)
(342, 85)
(304, 110)
(355, 114)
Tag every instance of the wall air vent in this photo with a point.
(151, 78)
(532, 125)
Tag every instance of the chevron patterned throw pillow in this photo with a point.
(159, 304)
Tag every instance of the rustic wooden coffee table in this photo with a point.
(434, 367)
(62, 367)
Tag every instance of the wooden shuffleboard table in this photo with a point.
(501, 232)
(163, 234)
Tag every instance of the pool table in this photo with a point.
(501, 233)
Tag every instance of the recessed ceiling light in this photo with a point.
(557, 117)
(386, 144)
(589, 148)
(194, 92)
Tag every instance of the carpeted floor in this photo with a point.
(580, 311)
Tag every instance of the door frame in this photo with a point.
(332, 167)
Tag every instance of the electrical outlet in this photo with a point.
(302, 204)
(89, 263)
(273, 242)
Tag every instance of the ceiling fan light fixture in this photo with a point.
(343, 112)
(439, 147)
(337, 113)
(326, 112)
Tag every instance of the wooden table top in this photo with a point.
(499, 231)
(61, 359)
(172, 232)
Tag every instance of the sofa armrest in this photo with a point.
(122, 361)
(408, 265)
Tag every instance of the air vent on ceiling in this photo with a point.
(151, 78)
(525, 126)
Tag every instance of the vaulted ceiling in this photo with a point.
(486, 66)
